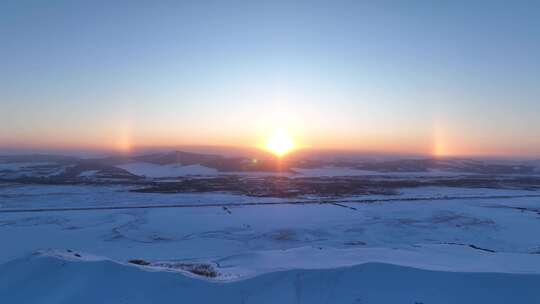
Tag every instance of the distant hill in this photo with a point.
(58, 166)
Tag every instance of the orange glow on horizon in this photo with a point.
(280, 143)
(440, 141)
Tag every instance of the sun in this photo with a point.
(280, 142)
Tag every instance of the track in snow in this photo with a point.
(314, 202)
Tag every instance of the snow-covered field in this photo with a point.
(367, 283)
(172, 170)
(456, 245)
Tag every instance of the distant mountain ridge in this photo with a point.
(71, 167)
(173, 157)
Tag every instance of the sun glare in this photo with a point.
(280, 143)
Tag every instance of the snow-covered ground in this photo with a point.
(13, 170)
(36, 279)
(347, 171)
(18, 196)
(172, 170)
(177, 170)
(457, 245)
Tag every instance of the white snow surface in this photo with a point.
(13, 170)
(347, 171)
(89, 173)
(172, 170)
(36, 280)
(151, 170)
(469, 250)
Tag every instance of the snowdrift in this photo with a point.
(48, 279)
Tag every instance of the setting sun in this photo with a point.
(280, 143)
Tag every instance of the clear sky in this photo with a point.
(443, 77)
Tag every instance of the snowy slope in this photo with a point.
(38, 279)
(171, 170)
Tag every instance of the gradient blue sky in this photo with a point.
(443, 77)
